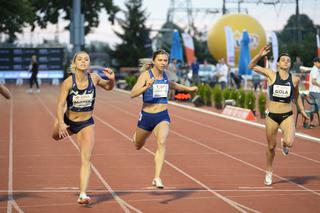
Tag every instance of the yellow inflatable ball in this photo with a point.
(238, 23)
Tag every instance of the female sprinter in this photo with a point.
(154, 117)
(282, 88)
(78, 91)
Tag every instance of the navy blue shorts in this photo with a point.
(75, 127)
(148, 121)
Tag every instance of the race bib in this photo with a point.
(281, 91)
(160, 90)
(82, 101)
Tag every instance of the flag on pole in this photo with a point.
(230, 44)
(318, 45)
(188, 47)
(275, 49)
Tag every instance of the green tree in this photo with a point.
(15, 14)
(134, 35)
(49, 11)
(306, 48)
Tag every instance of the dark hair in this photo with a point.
(316, 59)
(158, 52)
(283, 54)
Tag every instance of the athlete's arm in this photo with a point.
(106, 84)
(4, 91)
(143, 83)
(297, 97)
(65, 87)
(181, 87)
(264, 71)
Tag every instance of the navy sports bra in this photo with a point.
(81, 100)
(281, 90)
(158, 93)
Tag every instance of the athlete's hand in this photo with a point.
(150, 82)
(109, 73)
(265, 50)
(304, 114)
(193, 89)
(63, 132)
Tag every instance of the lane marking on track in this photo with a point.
(146, 190)
(239, 136)
(232, 203)
(123, 204)
(11, 202)
(226, 154)
(299, 134)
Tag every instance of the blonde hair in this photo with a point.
(145, 64)
(73, 62)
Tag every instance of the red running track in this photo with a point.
(213, 164)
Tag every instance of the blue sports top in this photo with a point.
(281, 90)
(158, 93)
(81, 100)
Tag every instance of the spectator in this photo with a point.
(222, 73)
(195, 71)
(172, 76)
(314, 88)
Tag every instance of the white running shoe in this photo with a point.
(29, 91)
(157, 183)
(268, 178)
(84, 199)
(37, 91)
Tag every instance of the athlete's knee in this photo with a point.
(288, 142)
(162, 144)
(271, 146)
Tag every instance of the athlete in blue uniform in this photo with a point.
(78, 91)
(154, 117)
(283, 88)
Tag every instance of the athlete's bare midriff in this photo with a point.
(278, 107)
(154, 108)
(78, 116)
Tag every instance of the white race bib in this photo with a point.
(160, 90)
(82, 101)
(281, 91)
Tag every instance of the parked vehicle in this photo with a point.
(206, 73)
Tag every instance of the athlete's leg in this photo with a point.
(271, 131)
(139, 137)
(288, 130)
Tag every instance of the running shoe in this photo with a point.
(157, 183)
(84, 200)
(268, 179)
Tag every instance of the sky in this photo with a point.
(271, 17)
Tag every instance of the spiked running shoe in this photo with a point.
(84, 200)
(157, 183)
(268, 179)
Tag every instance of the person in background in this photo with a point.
(34, 74)
(195, 71)
(222, 73)
(314, 82)
(172, 76)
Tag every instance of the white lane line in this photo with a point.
(147, 190)
(242, 137)
(229, 133)
(11, 202)
(232, 203)
(123, 204)
(299, 134)
(225, 154)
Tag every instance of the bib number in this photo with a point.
(160, 90)
(281, 91)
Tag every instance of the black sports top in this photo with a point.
(281, 90)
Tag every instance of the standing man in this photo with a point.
(195, 71)
(314, 89)
(34, 74)
(222, 73)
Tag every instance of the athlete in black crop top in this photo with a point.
(283, 87)
(78, 92)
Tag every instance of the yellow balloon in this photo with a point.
(238, 23)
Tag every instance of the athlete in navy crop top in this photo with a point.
(78, 92)
(154, 85)
(283, 87)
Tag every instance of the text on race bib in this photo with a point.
(281, 91)
(160, 90)
(81, 101)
